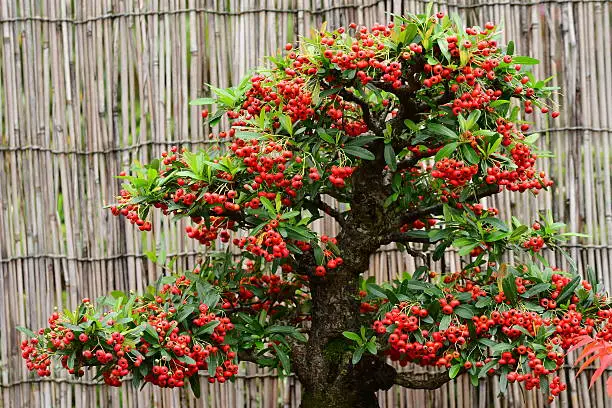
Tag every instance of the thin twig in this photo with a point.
(329, 210)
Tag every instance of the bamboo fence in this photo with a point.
(87, 86)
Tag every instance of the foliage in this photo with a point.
(439, 112)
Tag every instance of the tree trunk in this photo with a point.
(324, 366)
(340, 397)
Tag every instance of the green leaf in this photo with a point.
(484, 302)
(592, 277)
(445, 322)
(465, 311)
(443, 45)
(474, 380)
(454, 371)
(215, 118)
(26, 331)
(495, 236)
(362, 140)
(525, 60)
(407, 36)
(290, 330)
(376, 290)
(417, 234)
(469, 154)
(299, 233)
(411, 125)
(472, 119)
(392, 297)
(503, 382)
(487, 342)
(532, 138)
(326, 137)
(286, 123)
(318, 254)
(268, 205)
(357, 355)
(518, 231)
(390, 157)
(486, 367)
(150, 335)
(464, 250)
(184, 312)
(501, 347)
(510, 48)
(187, 360)
(549, 364)
(446, 151)
(360, 152)
(328, 92)
(509, 286)
(208, 328)
(71, 360)
(499, 102)
(439, 129)
(73, 327)
(494, 146)
(420, 272)
(203, 101)
(536, 289)
(495, 222)
(284, 359)
(533, 307)
(371, 346)
(194, 383)
(290, 214)
(544, 385)
(353, 336)
(569, 289)
(248, 135)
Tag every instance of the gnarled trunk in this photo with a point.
(349, 396)
(324, 367)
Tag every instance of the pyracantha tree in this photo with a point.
(407, 126)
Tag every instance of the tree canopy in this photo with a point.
(397, 132)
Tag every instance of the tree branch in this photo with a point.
(436, 209)
(402, 238)
(423, 381)
(329, 210)
(409, 162)
(401, 92)
(365, 109)
(415, 253)
(244, 355)
(413, 160)
(443, 99)
(337, 195)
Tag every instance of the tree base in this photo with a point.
(337, 398)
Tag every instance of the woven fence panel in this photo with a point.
(88, 86)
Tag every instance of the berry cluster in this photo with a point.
(162, 338)
(454, 172)
(458, 328)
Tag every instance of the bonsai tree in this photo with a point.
(396, 132)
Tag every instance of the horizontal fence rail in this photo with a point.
(88, 86)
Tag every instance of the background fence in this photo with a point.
(88, 86)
